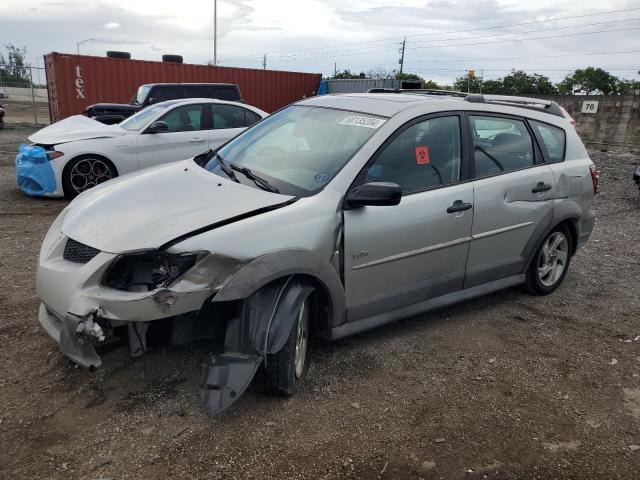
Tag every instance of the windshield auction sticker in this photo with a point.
(365, 122)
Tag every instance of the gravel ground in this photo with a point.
(506, 386)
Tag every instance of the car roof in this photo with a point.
(380, 104)
(189, 101)
(390, 104)
(191, 84)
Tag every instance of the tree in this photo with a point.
(468, 83)
(519, 82)
(430, 84)
(14, 69)
(628, 86)
(589, 80)
(346, 74)
(492, 86)
(408, 76)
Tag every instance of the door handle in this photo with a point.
(541, 187)
(196, 140)
(459, 206)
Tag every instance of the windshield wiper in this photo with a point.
(259, 181)
(225, 168)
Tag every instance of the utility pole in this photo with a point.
(215, 33)
(264, 62)
(402, 54)
(335, 69)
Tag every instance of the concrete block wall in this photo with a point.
(615, 126)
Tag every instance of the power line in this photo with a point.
(531, 38)
(329, 47)
(454, 60)
(381, 48)
(360, 52)
(523, 58)
(538, 30)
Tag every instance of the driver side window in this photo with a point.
(425, 155)
(184, 119)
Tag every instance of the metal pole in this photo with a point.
(78, 48)
(402, 56)
(33, 97)
(264, 62)
(215, 33)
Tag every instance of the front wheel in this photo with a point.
(550, 262)
(83, 173)
(284, 371)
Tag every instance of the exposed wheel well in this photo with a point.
(572, 226)
(321, 304)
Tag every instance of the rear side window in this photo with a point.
(500, 145)
(211, 91)
(553, 140)
(228, 116)
(163, 93)
(251, 117)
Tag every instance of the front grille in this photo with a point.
(78, 252)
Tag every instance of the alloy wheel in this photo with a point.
(553, 259)
(88, 173)
(302, 338)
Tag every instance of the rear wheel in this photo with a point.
(83, 173)
(284, 371)
(550, 263)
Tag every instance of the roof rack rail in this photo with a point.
(419, 91)
(547, 106)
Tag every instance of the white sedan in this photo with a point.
(82, 152)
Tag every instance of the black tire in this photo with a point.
(71, 184)
(121, 55)
(172, 58)
(538, 283)
(281, 376)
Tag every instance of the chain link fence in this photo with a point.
(24, 95)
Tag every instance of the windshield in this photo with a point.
(143, 91)
(143, 117)
(299, 149)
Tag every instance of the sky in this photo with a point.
(444, 38)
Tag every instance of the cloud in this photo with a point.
(310, 35)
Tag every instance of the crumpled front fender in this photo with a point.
(262, 327)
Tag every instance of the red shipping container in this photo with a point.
(76, 81)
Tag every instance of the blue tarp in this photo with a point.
(33, 171)
(322, 88)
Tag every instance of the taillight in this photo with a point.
(595, 176)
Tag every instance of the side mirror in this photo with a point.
(158, 127)
(374, 193)
(151, 100)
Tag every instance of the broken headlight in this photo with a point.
(143, 272)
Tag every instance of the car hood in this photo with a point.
(77, 127)
(147, 209)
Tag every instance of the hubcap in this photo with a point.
(553, 259)
(89, 173)
(302, 336)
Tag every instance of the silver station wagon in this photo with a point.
(332, 216)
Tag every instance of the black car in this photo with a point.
(151, 93)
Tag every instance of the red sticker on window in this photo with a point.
(422, 155)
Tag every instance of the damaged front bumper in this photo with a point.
(74, 335)
(76, 305)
